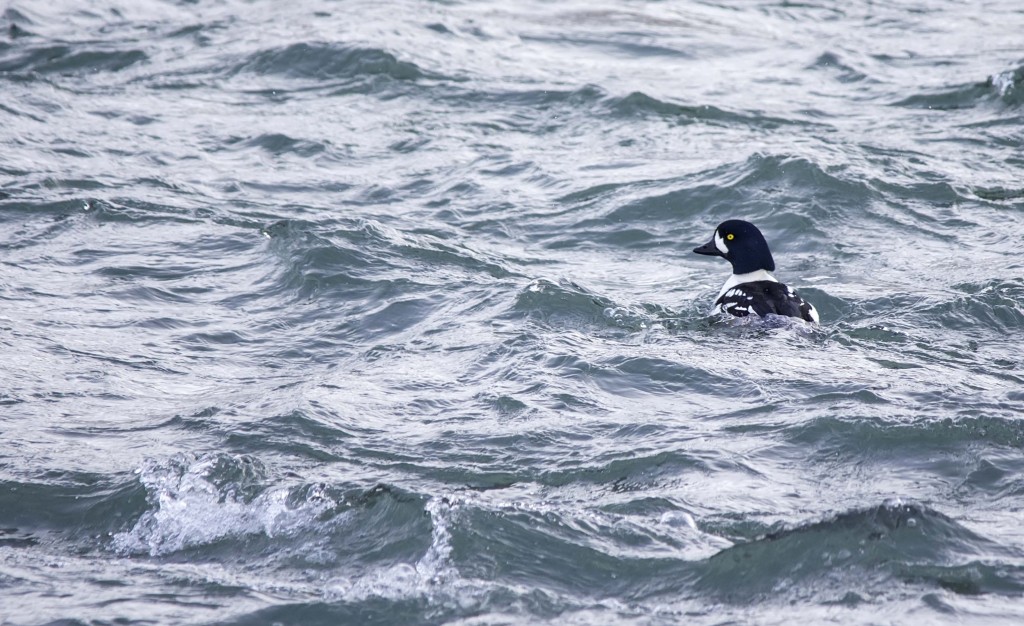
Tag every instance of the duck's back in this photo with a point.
(763, 297)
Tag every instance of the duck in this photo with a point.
(752, 288)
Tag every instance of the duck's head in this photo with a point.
(741, 244)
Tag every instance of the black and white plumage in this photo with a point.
(752, 288)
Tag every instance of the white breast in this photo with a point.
(749, 277)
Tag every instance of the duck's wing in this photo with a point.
(763, 297)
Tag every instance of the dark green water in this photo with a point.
(386, 313)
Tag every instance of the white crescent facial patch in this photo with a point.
(720, 244)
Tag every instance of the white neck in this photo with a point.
(749, 277)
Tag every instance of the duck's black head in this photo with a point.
(742, 244)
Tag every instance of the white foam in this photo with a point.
(1004, 82)
(188, 509)
(432, 574)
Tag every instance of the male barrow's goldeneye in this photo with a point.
(751, 288)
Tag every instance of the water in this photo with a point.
(386, 313)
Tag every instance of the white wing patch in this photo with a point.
(813, 312)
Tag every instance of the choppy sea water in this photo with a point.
(386, 313)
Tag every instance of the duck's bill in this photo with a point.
(709, 249)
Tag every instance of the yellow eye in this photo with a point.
(730, 236)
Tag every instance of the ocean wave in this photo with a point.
(642, 215)
(327, 61)
(1009, 85)
(833, 63)
(997, 305)
(215, 502)
(860, 551)
(279, 144)
(1005, 87)
(590, 102)
(970, 308)
(67, 60)
(569, 304)
(369, 255)
(640, 104)
(903, 434)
